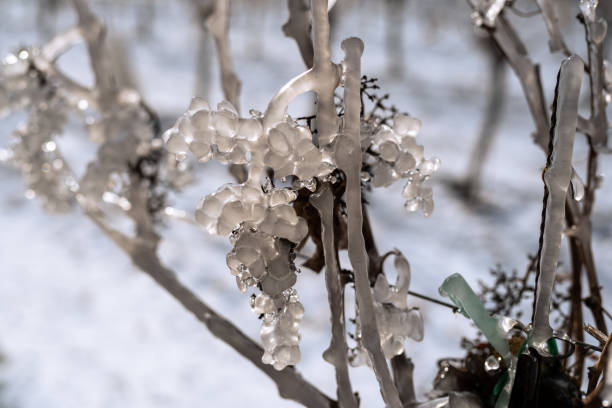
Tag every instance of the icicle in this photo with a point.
(556, 180)
(577, 186)
(348, 157)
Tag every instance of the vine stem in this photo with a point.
(348, 157)
(337, 352)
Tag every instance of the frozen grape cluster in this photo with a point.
(280, 335)
(129, 150)
(287, 148)
(37, 155)
(396, 321)
(264, 227)
(35, 152)
(290, 151)
(264, 232)
(395, 154)
(129, 154)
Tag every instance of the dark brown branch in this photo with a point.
(337, 352)
(403, 370)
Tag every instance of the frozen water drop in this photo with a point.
(412, 205)
(406, 125)
(491, 364)
(577, 186)
(589, 8)
(198, 104)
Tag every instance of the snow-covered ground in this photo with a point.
(81, 327)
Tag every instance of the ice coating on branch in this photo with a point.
(396, 321)
(280, 328)
(487, 13)
(399, 156)
(556, 180)
(589, 9)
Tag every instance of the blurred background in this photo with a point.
(81, 327)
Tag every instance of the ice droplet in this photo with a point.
(589, 8)
(577, 186)
(491, 364)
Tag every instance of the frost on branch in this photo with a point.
(395, 154)
(396, 321)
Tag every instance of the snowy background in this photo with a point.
(81, 327)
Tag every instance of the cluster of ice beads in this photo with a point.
(395, 320)
(280, 328)
(396, 155)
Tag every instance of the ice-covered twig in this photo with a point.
(348, 156)
(528, 74)
(94, 33)
(555, 42)
(556, 179)
(61, 43)
(487, 11)
(322, 78)
(298, 27)
(595, 34)
(218, 25)
(336, 354)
